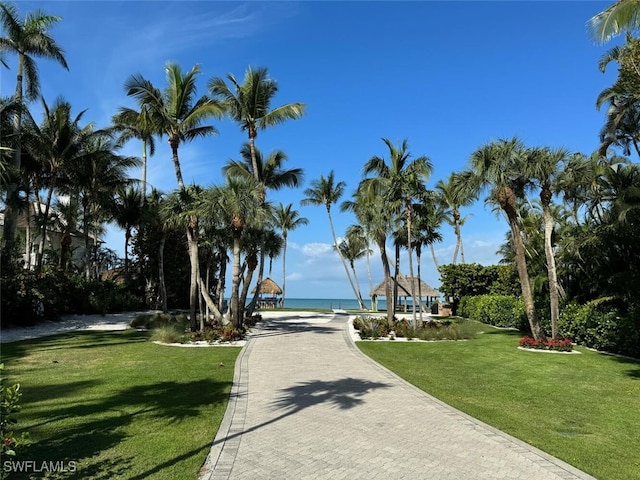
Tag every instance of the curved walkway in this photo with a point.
(307, 404)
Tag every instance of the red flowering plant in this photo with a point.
(556, 345)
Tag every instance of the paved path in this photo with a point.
(306, 404)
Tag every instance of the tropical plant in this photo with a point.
(622, 16)
(239, 203)
(28, 38)
(399, 182)
(130, 123)
(127, 213)
(286, 219)
(325, 192)
(452, 196)
(497, 167)
(249, 104)
(176, 113)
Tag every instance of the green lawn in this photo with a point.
(583, 409)
(119, 405)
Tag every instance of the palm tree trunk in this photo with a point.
(11, 212)
(235, 281)
(395, 276)
(545, 197)
(163, 287)
(27, 240)
(387, 280)
(45, 220)
(370, 277)
(418, 253)
(284, 268)
(144, 171)
(344, 263)
(192, 243)
(222, 275)
(176, 166)
(521, 264)
(433, 255)
(410, 250)
(127, 237)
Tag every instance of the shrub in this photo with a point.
(9, 406)
(371, 327)
(158, 320)
(497, 310)
(556, 345)
(168, 334)
(600, 324)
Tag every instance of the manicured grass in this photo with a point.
(119, 405)
(583, 409)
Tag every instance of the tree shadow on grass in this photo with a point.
(86, 430)
(634, 370)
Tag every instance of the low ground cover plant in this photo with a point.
(174, 328)
(434, 329)
(553, 345)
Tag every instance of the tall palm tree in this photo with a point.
(452, 196)
(28, 38)
(57, 143)
(371, 212)
(357, 235)
(399, 182)
(622, 16)
(249, 104)
(127, 213)
(238, 201)
(178, 114)
(94, 178)
(427, 223)
(325, 192)
(286, 219)
(130, 123)
(543, 168)
(498, 166)
(272, 176)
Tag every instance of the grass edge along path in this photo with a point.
(582, 409)
(115, 405)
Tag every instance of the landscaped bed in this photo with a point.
(117, 404)
(582, 409)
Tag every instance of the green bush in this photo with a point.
(152, 321)
(168, 334)
(497, 310)
(9, 406)
(600, 324)
(371, 327)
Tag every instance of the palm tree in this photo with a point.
(57, 143)
(427, 223)
(452, 196)
(498, 166)
(249, 104)
(373, 214)
(176, 113)
(238, 201)
(28, 38)
(543, 168)
(325, 192)
(357, 234)
(127, 212)
(286, 219)
(272, 176)
(399, 182)
(621, 16)
(93, 178)
(130, 123)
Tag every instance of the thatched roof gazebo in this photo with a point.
(269, 293)
(421, 289)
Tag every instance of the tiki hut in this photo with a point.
(268, 294)
(425, 294)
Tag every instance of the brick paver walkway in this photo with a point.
(306, 404)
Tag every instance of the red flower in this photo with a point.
(7, 441)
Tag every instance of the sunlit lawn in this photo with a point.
(584, 409)
(119, 405)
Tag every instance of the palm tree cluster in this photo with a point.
(61, 165)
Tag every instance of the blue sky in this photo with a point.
(448, 76)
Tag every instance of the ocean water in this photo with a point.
(339, 303)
